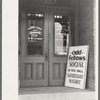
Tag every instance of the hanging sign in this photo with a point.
(77, 67)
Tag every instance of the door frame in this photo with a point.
(70, 11)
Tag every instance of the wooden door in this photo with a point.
(61, 21)
(41, 63)
(34, 49)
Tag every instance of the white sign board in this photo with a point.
(77, 66)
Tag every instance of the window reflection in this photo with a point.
(61, 34)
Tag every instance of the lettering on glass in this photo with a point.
(35, 34)
(61, 35)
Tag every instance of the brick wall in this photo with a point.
(86, 30)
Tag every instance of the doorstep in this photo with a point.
(55, 93)
(46, 90)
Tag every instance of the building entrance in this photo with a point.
(44, 39)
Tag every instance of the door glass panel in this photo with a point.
(35, 34)
(61, 34)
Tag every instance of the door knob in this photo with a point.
(46, 53)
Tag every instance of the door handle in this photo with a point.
(46, 53)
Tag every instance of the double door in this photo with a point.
(44, 39)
